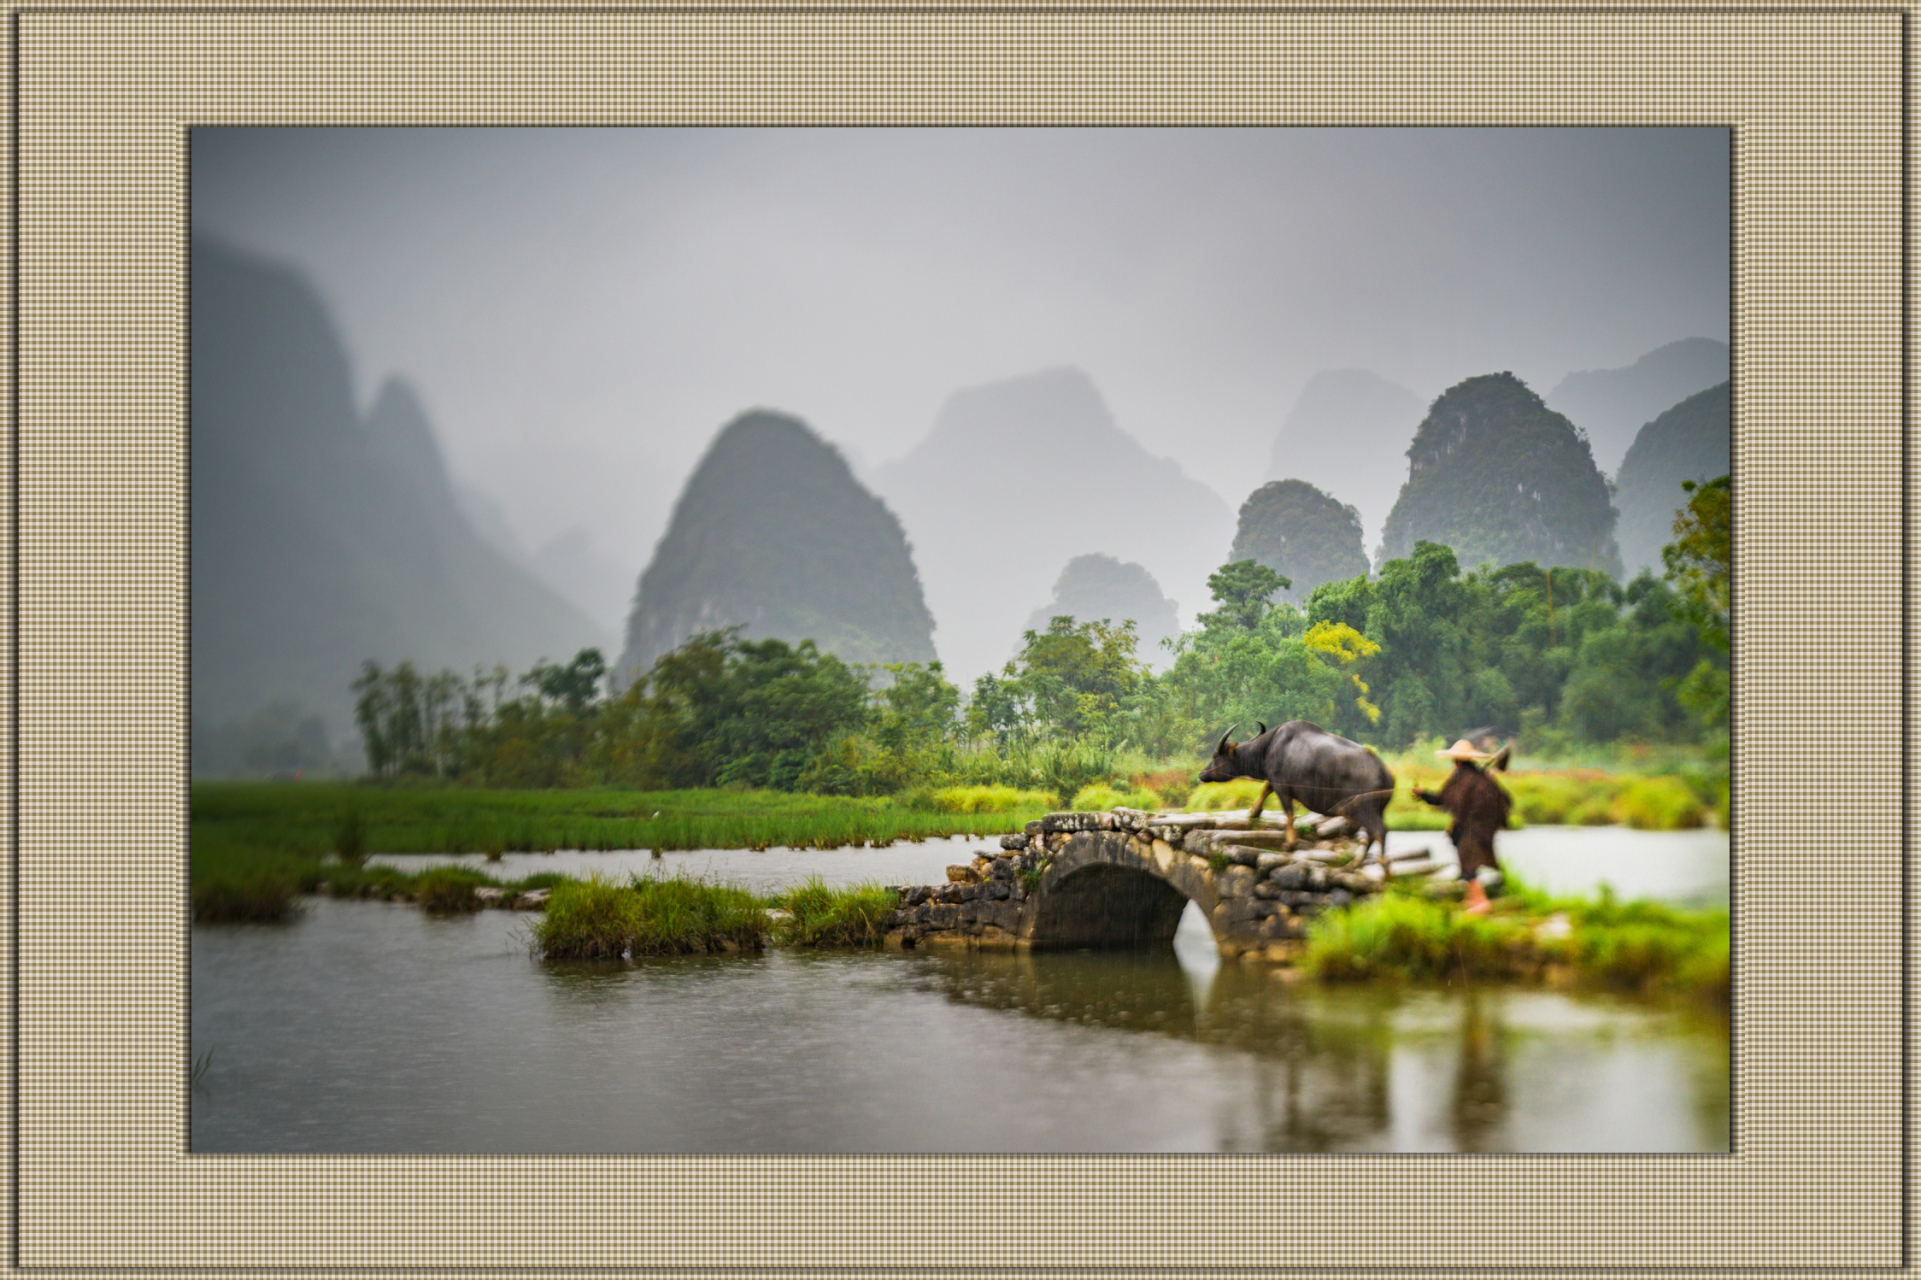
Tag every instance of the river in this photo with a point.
(372, 1027)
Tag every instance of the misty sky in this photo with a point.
(582, 309)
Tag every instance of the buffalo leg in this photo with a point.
(1254, 814)
(1287, 807)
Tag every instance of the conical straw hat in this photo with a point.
(1463, 750)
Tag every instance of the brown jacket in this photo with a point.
(1480, 807)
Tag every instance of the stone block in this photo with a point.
(1056, 822)
(970, 912)
(1163, 855)
(997, 891)
(1269, 861)
(1130, 819)
(1293, 875)
(949, 893)
(1268, 889)
(914, 895)
(1033, 829)
(1235, 882)
(943, 917)
(983, 866)
(1196, 842)
(1004, 869)
(962, 875)
(532, 900)
(1014, 842)
(1239, 854)
(970, 892)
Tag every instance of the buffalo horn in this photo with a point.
(1260, 727)
(1223, 745)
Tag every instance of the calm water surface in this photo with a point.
(370, 1027)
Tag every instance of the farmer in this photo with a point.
(1479, 806)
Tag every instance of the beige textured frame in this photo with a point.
(104, 98)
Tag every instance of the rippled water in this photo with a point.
(370, 1027)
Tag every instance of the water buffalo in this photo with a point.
(1327, 773)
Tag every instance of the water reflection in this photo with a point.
(1373, 1068)
(370, 1027)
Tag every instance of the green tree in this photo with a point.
(1700, 562)
(1244, 590)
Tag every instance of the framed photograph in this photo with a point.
(701, 408)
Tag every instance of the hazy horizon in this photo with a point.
(581, 310)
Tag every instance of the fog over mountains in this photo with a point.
(449, 385)
(322, 538)
(1347, 435)
(1018, 477)
(1611, 405)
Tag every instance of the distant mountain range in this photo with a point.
(1501, 478)
(319, 538)
(1611, 405)
(773, 533)
(1018, 477)
(1094, 587)
(1347, 435)
(1691, 441)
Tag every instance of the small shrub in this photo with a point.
(1657, 804)
(993, 798)
(266, 894)
(1398, 935)
(589, 919)
(673, 915)
(445, 891)
(1239, 793)
(1100, 796)
(1173, 786)
(820, 916)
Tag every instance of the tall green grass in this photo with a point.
(1646, 948)
(597, 919)
(1100, 796)
(822, 916)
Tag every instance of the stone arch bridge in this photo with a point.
(1123, 878)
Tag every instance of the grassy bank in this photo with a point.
(597, 919)
(257, 845)
(1542, 797)
(1644, 948)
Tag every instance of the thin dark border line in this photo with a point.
(13, 635)
(1907, 664)
(953, 10)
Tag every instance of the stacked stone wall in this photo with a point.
(1065, 881)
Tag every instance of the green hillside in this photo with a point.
(775, 534)
(1498, 476)
(1691, 441)
(1302, 534)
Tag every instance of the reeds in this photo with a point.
(1644, 948)
(1100, 796)
(597, 919)
(819, 915)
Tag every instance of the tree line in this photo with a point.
(1561, 656)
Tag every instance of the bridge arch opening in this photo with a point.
(1101, 905)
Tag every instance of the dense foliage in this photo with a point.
(1302, 534)
(1100, 587)
(1501, 478)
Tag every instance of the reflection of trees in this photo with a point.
(1480, 1085)
(1317, 1061)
